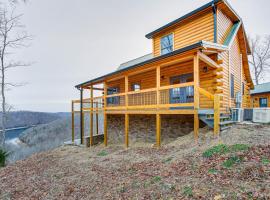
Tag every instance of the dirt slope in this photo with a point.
(178, 170)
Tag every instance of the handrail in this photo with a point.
(116, 95)
(206, 93)
(143, 91)
(181, 85)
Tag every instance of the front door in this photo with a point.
(263, 102)
(181, 95)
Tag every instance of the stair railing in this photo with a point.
(216, 99)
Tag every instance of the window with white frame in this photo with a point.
(166, 44)
(136, 86)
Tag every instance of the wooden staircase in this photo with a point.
(225, 120)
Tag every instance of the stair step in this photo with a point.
(226, 123)
(221, 117)
(225, 128)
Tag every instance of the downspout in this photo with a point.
(214, 9)
(81, 114)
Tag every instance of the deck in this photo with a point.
(191, 94)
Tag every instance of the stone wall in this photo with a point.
(142, 128)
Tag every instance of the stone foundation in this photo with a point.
(142, 128)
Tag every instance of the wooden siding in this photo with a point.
(117, 84)
(235, 69)
(226, 82)
(246, 99)
(194, 30)
(256, 99)
(224, 25)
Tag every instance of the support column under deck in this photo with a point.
(126, 130)
(196, 95)
(81, 117)
(105, 115)
(91, 116)
(158, 130)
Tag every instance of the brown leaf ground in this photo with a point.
(176, 171)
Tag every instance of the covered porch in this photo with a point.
(183, 84)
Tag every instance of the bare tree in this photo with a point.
(12, 37)
(260, 57)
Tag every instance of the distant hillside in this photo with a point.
(46, 136)
(28, 118)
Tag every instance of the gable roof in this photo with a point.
(208, 5)
(262, 88)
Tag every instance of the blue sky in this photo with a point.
(75, 41)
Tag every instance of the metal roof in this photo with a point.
(150, 35)
(262, 88)
(135, 61)
(154, 59)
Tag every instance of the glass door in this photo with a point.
(184, 94)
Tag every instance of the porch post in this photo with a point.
(158, 85)
(105, 115)
(196, 95)
(126, 114)
(158, 116)
(97, 112)
(91, 115)
(81, 117)
(216, 114)
(72, 121)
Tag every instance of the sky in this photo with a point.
(78, 40)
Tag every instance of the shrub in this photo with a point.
(102, 153)
(187, 191)
(223, 149)
(219, 149)
(239, 147)
(265, 161)
(3, 157)
(156, 179)
(212, 171)
(231, 161)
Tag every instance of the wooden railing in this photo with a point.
(216, 99)
(150, 98)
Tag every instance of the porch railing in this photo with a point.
(179, 95)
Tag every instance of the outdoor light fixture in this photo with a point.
(205, 69)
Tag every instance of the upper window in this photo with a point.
(136, 87)
(166, 44)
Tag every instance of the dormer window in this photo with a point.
(166, 44)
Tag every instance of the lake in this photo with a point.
(14, 133)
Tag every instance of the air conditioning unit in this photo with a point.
(237, 114)
(261, 115)
(238, 99)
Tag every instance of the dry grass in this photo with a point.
(176, 171)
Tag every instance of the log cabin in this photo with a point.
(261, 96)
(197, 72)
